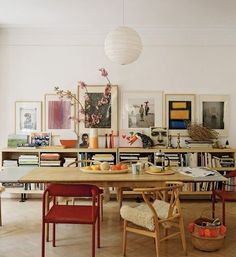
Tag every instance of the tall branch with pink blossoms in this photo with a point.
(90, 113)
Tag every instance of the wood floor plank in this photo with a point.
(20, 234)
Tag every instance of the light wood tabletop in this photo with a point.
(74, 175)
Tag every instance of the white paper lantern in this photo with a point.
(123, 45)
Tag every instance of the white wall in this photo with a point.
(177, 60)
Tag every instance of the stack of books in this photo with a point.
(10, 163)
(223, 161)
(199, 144)
(50, 160)
(27, 159)
(68, 161)
(129, 156)
(174, 159)
(104, 158)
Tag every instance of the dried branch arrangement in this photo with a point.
(199, 132)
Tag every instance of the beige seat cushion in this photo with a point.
(142, 215)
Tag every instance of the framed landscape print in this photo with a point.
(142, 109)
(180, 110)
(27, 117)
(214, 112)
(100, 112)
(58, 113)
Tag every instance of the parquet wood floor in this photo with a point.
(20, 234)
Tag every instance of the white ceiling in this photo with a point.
(106, 13)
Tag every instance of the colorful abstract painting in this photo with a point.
(180, 111)
(59, 113)
(179, 114)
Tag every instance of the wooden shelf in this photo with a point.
(224, 168)
(17, 190)
(13, 153)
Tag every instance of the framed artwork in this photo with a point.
(180, 110)
(142, 109)
(84, 140)
(214, 112)
(27, 117)
(125, 137)
(14, 140)
(159, 136)
(41, 139)
(58, 113)
(107, 112)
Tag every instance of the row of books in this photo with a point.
(199, 144)
(192, 160)
(135, 156)
(46, 160)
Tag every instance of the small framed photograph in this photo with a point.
(84, 140)
(41, 139)
(159, 136)
(58, 113)
(180, 111)
(214, 112)
(104, 115)
(27, 117)
(142, 109)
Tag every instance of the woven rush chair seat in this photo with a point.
(142, 215)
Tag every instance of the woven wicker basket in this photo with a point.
(205, 243)
(208, 244)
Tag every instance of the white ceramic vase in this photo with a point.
(93, 138)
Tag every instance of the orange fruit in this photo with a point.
(124, 166)
(113, 167)
(98, 167)
(118, 166)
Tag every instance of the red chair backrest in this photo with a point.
(72, 190)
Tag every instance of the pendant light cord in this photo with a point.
(123, 12)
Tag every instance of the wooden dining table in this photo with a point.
(109, 179)
(75, 175)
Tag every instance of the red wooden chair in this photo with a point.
(224, 195)
(71, 214)
(86, 162)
